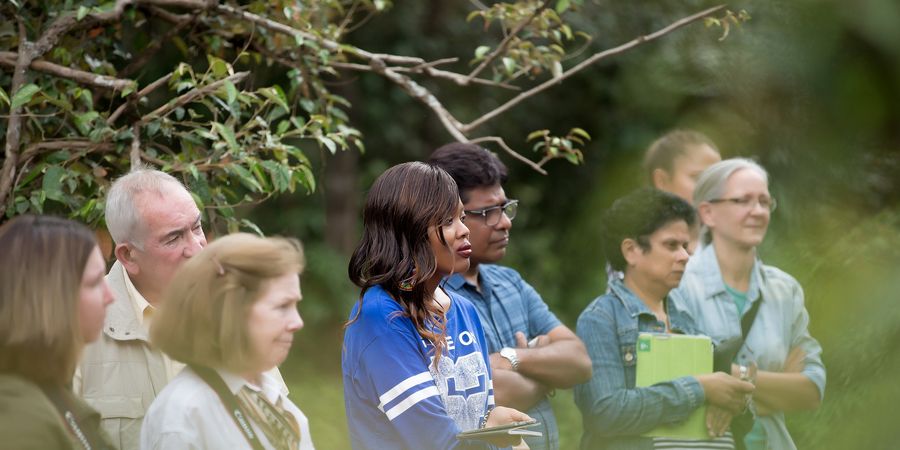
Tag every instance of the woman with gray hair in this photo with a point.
(755, 309)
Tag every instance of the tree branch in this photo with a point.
(92, 79)
(499, 141)
(505, 42)
(328, 44)
(418, 92)
(39, 147)
(14, 126)
(135, 145)
(434, 73)
(190, 96)
(582, 65)
(142, 93)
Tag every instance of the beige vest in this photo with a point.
(121, 373)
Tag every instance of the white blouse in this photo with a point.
(188, 414)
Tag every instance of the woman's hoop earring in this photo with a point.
(407, 284)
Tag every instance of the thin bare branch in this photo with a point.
(190, 96)
(92, 79)
(418, 92)
(586, 63)
(505, 42)
(168, 16)
(434, 73)
(327, 43)
(499, 141)
(142, 93)
(66, 144)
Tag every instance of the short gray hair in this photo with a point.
(712, 182)
(122, 213)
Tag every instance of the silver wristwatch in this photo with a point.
(510, 354)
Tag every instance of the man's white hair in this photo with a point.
(123, 215)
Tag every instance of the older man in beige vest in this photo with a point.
(155, 225)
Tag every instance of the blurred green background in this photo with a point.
(809, 88)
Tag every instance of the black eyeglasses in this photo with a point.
(491, 215)
(749, 202)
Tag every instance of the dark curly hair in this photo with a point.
(637, 216)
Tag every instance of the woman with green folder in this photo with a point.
(646, 235)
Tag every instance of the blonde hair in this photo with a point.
(203, 318)
(41, 268)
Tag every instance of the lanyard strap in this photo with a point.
(229, 400)
(88, 437)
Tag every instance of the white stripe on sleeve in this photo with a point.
(402, 387)
(401, 407)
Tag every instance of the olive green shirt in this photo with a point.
(28, 419)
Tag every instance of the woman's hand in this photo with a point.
(726, 391)
(717, 420)
(502, 415)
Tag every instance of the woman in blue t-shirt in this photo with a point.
(415, 367)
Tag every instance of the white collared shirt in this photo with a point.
(188, 414)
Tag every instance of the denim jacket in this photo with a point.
(780, 325)
(615, 413)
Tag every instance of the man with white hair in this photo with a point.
(155, 225)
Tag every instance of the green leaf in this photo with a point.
(557, 69)
(228, 134)
(282, 127)
(536, 134)
(82, 11)
(275, 94)
(218, 66)
(3, 96)
(230, 91)
(37, 170)
(328, 143)
(280, 174)
(84, 120)
(52, 183)
(510, 65)
(257, 172)
(561, 6)
(580, 132)
(245, 177)
(481, 51)
(251, 226)
(305, 177)
(58, 156)
(23, 96)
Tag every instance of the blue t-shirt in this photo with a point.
(395, 398)
(507, 304)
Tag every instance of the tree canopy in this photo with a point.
(228, 95)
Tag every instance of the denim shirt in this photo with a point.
(780, 325)
(614, 412)
(505, 305)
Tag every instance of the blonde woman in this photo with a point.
(53, 299)
(230, 315)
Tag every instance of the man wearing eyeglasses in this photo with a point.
(532, 352)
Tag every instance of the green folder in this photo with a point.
(665, 357)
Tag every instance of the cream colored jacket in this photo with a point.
(120, 373)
